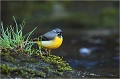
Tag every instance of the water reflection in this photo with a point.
(85, 51)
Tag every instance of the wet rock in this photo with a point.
(23, 65)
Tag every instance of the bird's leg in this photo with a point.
(49, 51)
(46, 50)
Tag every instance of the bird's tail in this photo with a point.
(38, 42)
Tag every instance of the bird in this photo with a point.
(50, 40)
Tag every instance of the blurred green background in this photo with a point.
(86, 24)
(63, 14)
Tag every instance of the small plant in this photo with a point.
(16, 63)
(13, 38)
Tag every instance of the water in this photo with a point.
(97, 53)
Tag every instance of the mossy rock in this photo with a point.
(38, 65)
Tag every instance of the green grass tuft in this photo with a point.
(12, 38)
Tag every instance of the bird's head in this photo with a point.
(58, 32)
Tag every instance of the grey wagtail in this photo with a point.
(50, 40)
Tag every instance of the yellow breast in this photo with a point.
(52, 44)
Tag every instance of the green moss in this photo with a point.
(40, 74)
(36, 65)
(57, 62)
(19, 72)
(7, 57)
(5, 70)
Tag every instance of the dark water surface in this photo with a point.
(93, 51)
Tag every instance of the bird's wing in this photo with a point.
(48, 36)
(43, 38)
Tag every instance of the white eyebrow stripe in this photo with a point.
(54, 30)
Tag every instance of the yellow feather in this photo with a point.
(51, 44)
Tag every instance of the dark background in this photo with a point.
(88, 25)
